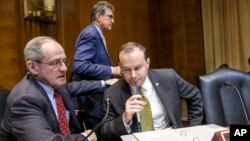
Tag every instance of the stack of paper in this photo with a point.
(196, 133)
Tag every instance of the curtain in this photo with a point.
(226, 33)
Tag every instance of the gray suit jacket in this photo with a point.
(170, 87)
(29, 115)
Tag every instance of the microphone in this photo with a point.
(102, 121)
(227, 84)
(138, 113)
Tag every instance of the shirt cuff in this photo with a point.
(111, 70)
(127, 126)
(103, 83)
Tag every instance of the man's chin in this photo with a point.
(61, 81)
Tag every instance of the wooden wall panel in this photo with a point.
(131, 24)
(69, 28)
(180, 43)
(8, 55)
(171, 31)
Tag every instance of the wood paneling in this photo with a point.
(69, 27)
(8, 54)
(180, 43)
(170, 30)
(131, 24)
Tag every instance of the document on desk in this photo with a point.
(196, 133)
(162, 135)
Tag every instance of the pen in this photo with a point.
(84, 126)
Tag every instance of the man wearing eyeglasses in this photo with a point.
(152, 92)
(92, 61)
(39, 108)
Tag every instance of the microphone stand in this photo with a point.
(226, 83)
(100, 123)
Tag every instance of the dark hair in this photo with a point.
(130, 46)
(100, 7)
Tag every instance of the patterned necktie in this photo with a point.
(62, 120)
(146, 114)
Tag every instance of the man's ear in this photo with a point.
(148, 62)
(98, 16)
(32, 67)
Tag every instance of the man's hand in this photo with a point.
(92, 137)
(111, 81)
(116, 71)
(133, 105)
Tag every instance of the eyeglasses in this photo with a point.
(56, 63)
(110, 17)
(128, 71)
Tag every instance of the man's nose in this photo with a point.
(63, 67)
(133, 73)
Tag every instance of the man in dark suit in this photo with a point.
(31, 112)
(91, 60)
(163, 89)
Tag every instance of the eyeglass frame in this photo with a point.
(56, 63)
(109, 16)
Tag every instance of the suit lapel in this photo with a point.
(103, 44)
(161, 89)
(39, 87)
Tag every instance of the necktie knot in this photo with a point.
(56, 93)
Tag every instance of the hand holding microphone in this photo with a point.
(133, 106)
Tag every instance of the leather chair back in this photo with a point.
(226, 96)
(3, 96)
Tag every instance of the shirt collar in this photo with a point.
(49, 90)
(99, 30)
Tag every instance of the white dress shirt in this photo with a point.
(160, 117)
(159, 114)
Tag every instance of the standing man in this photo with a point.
(39, 108)
(92, 62)
(159, 100)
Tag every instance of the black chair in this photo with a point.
(226, 96)
(3, 96)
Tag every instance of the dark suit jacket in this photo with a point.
(91, 62)
(29, 115)
(170, 87)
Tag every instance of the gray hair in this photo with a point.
(130, 46)
(100, 7)
(32, 50)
